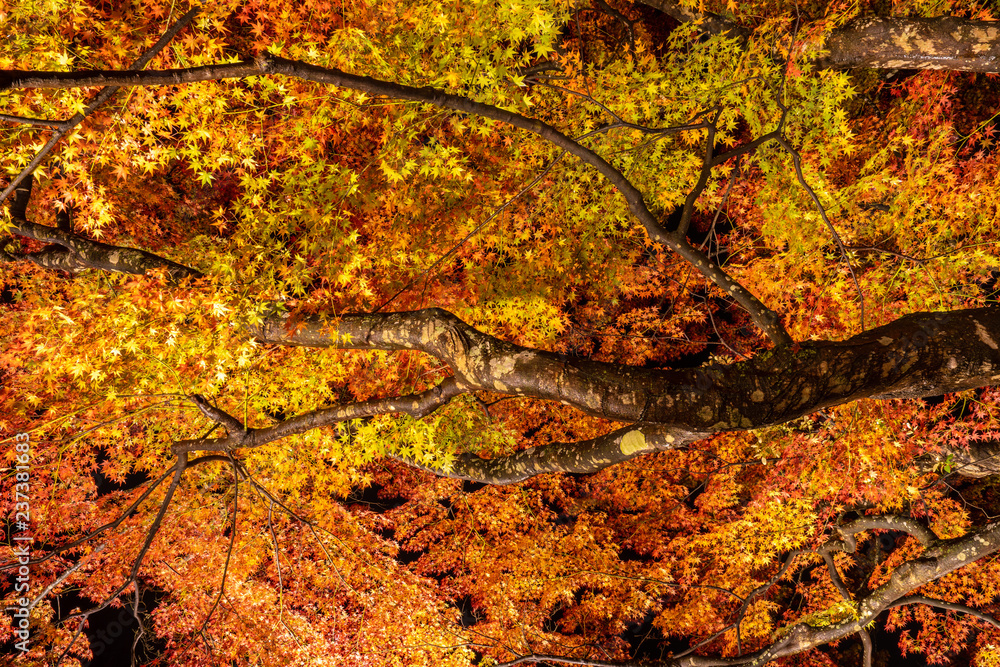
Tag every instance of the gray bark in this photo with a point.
(897, 43)
(918, 355)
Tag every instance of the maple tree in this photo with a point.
(503, 332)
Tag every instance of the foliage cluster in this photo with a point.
(327, 201)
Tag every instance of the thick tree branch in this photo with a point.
(77, 253)
(235, 428)
(866, 642)
(946, 42)
(74, 253)
(766, 319)
(574, 457)
(899, 43)
(918, 355)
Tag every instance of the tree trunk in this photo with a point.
(896, 43)
(918, 355)
(882, 43)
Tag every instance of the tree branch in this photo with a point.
(687, 211)
(151, 532)
(766, 319)
(950, 606)
(65, 575)
(947, 42)
(976, 459)
(797, 164)
(917, 355)
(924, 535)
(940, 559)
(415, 405)
(866, 642)
(127, 512)
(76, 253)
(587, 456)
(235, 428)
(21, 120)
(709, 23)
(914, 43)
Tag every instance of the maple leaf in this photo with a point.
(377, 326)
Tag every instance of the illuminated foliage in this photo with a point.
(410, 333)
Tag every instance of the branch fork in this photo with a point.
(237, 434)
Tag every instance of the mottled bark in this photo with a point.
(73, 253)
(587, 456)
(918, 355)
(575, 457)
(895, 43)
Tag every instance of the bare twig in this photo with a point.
(476, 230)
(41, 122)
(949, 606)
(65, 575)
(845, 257)
(229, 550)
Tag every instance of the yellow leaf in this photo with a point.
(633, 441)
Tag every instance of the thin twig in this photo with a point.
(950, 606)
(229, 551)
(65, 575)
(40, 122)
(479, 227)
(845, 257)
